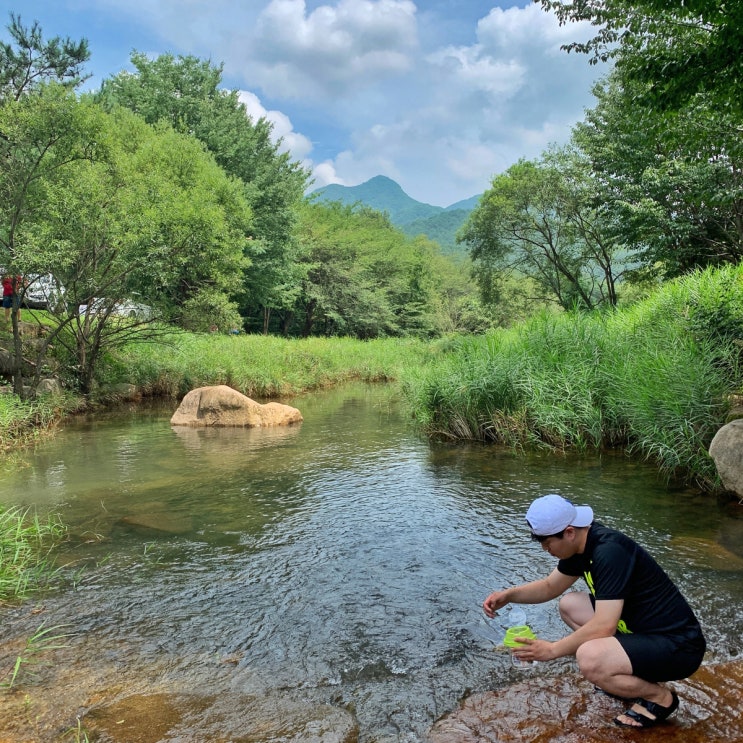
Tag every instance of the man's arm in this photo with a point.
(602, 624)
(536, 592)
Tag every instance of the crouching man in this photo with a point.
(631, 631)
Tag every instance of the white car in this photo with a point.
(119, 308)
(43, 291)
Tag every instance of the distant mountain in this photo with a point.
(412, 217)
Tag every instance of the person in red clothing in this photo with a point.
(11, 300)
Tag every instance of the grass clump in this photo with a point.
(32, 655)
(25, 543)
(655, 377)
(24, 421)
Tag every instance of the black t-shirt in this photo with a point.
(616, 567)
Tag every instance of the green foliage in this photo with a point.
(363, 277)
(27, 62)
(148, 214)
(185, 93)
(655, 377)
(209, 309)
(25, 543)
(539, 220)
(670, 185)
(23, 421)
(442, 228)
(675, 50)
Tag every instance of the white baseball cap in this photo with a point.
(552, 513)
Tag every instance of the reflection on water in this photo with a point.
(345, 558)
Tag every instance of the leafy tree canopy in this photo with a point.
(185, 92)
(678, 49)
(539, 220)
(672, 182)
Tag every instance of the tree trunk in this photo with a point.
(17, 353)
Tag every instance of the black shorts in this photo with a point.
(663, 657)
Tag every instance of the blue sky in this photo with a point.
(439, 95)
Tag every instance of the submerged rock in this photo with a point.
(161, 522)
(706, 553)
(567, 709)
(222, 406)
(151, 718)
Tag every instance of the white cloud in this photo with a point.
(282, 129)
(334, 49)
(508, 95)
(324, 174)
(424, 92)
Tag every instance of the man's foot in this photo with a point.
(645, 714)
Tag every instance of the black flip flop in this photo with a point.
(659, 713)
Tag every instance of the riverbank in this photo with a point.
(562, 710)
(259, 366)
(568, 710)
(657, 378)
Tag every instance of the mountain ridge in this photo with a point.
(412, 217)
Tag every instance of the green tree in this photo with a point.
(28, 61)
(539, 220)
(672, 183)
(154, 218)
(676, 50)
(41, 137)
(185, 92)
(364, 277)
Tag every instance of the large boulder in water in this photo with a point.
(727, 451)
(222, 406)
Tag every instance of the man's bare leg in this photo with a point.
(576, 609)
(604, 663)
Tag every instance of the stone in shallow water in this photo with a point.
(240, 718)
(220, 405)
(162, 522)
(568, 710)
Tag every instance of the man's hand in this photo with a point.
(496, 600)
(534, 649)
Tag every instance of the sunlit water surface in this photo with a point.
(345, 558)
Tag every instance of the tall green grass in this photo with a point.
(22, 422)
(260, 366)
(25, 543)
(655, 377)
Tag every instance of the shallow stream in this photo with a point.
(342, 561)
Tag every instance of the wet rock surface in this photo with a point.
(539, 709)
(567, 709)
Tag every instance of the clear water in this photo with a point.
(346, 558)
